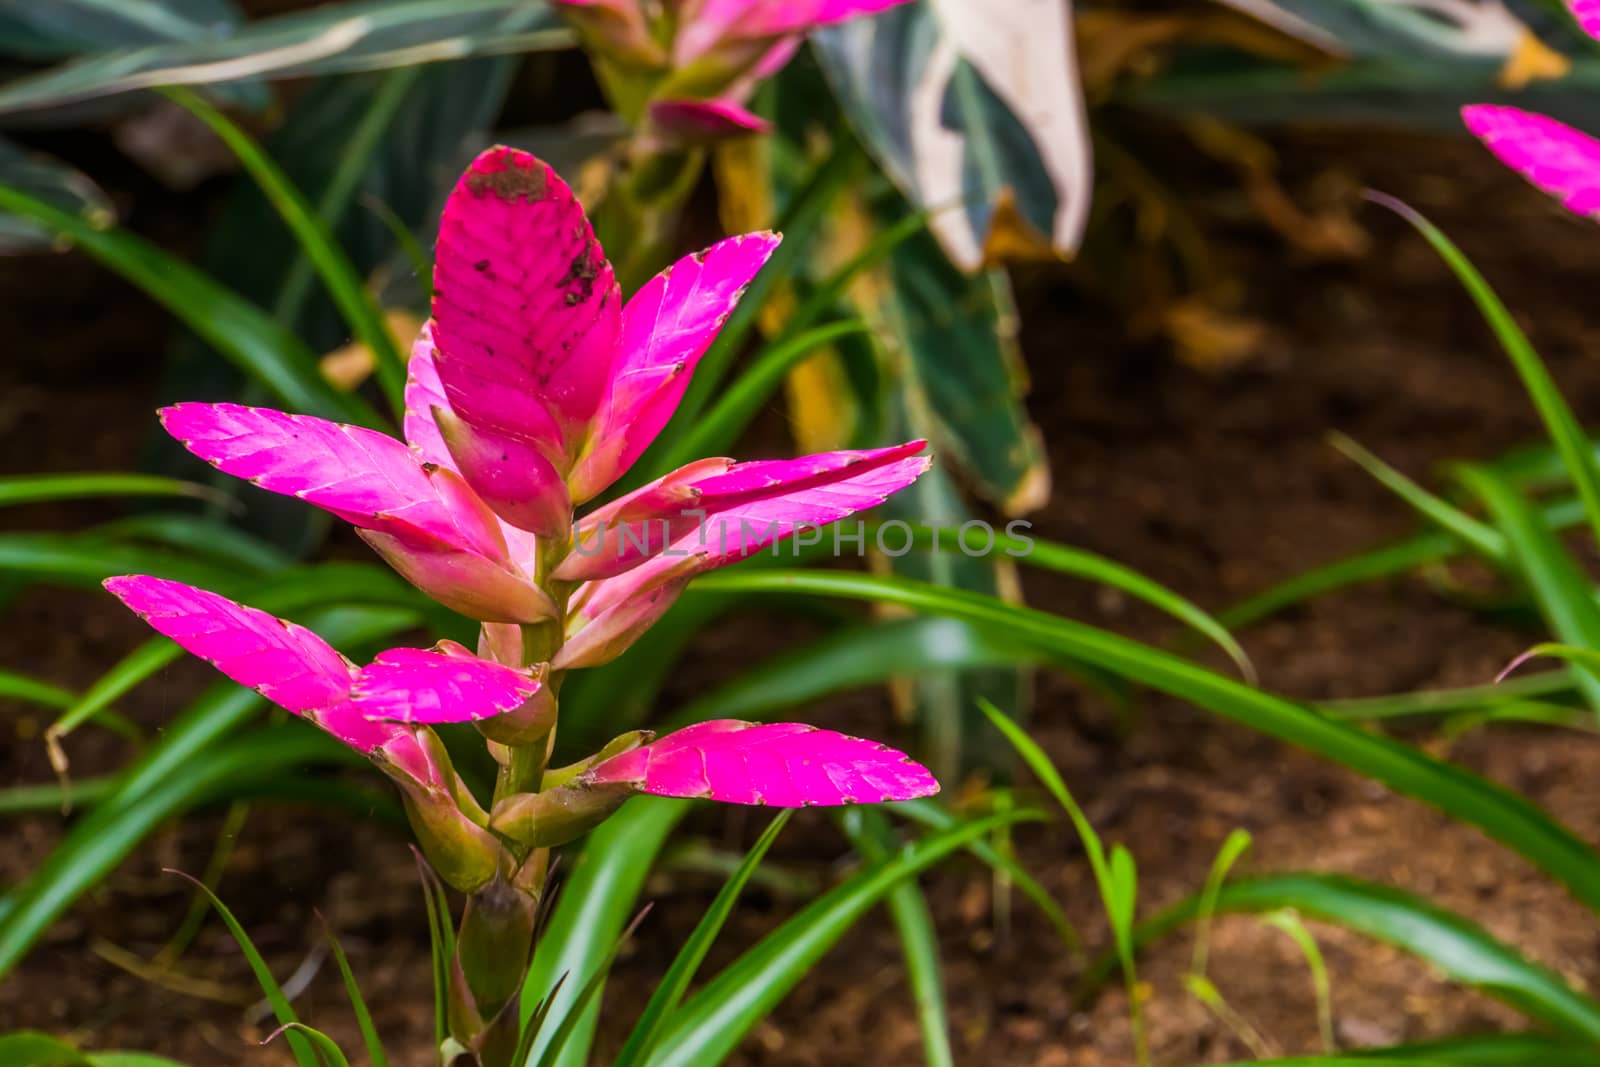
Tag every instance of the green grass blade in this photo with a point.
(281, 1008)
(102, 839)
(84, 560)
(14, 686)
(407, 242)
(1385, 561)
(1447, 701)
(358, 1004)
(556, 1047)
(932, 814)
(1463, 951)
(441, 945)
(675, 983)
(181, 768)
(716, 432)
(129, 1059)
(34, 488)
(1560, 589)
(1565, 432)
(345, 284)
(1115, 877)
(870, 833)
(328, 1052)
(1478, 536)
(713, 1023)
(1080, 563)
(597, 899)
(1234, 846)
(833, 289)
(204, 536)
(1501, 814)
(1493, 1050)
(1288, 920)
(858, 656)
(264, 349)
(30, 1048)
(28, 690)
(56, 796)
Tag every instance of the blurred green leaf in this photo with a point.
(799, 222)
(870, 832)
(946, 696)
(718, 430)
(34, 488)
(32, 1049)
(1396, 29)
(976, 113)
(85, 560)
(1515, 689)
(954, 342)
(929, 812)
(262, 348)
(52, 182)
(63, 28)
(183, 767)
(330, 38)
(345, 284)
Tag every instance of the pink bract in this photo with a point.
(692, 122)
(1587, 12)
(786, 765)
(706, 23)
(1553, 156)
(299, 671)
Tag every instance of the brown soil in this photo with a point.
(1216, 484)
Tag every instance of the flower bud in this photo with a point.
(616, 30)
(556, 816)
(495, 940)
(463, 852)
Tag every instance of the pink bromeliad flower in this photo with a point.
(532, 389)
(1552, 155)
(706, 57)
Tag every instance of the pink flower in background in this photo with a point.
(532, 389)
(1587, 12)
(1552, 155)
(708, 55)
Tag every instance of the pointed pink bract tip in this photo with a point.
(1587, 12)
(691, 122)
(1554, 157)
